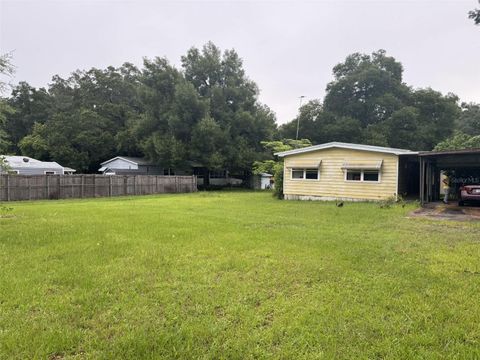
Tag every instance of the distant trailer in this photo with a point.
(24, 165)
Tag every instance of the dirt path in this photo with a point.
(441, 211)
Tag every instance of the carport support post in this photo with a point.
(436, 183)
(428, 180)
(422, 181)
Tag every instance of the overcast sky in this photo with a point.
(288, 47)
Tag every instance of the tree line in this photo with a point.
(368, 102)
(207, 113)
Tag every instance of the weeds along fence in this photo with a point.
(38, 187)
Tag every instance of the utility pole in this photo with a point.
(298, 117)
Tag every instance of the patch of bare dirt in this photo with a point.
(440, 211)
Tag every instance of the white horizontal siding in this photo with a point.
(37, 171)
(121, 164)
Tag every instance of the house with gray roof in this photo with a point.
(128, 165)
(343, 171)
(24, 165)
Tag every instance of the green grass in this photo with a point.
(236, 276)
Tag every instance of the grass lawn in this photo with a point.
(235, 275)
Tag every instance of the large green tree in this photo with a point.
(213, 153)
(322, 126)
(368, 102)
(6, 69)
(436, 118)
(368, 88)
(31, 106)
(232, 99)
(80, 120)
(172, 109)
(206, 113)
(469, 120)
(81, 139)
(459, 141)
(475, 15)
(5, 142)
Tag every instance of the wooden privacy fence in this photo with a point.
(37, 187)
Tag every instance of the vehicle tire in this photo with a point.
(461, 203)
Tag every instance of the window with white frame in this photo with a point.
(50, 172)
(305, 174)
(371, 175)
(354, 175)
(362, 175)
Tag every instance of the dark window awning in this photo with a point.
(362, 164)
(305, 164)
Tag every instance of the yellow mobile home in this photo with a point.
(342, 171)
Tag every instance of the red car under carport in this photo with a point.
(469, 193)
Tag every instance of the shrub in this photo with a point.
(278, 180)
(392, 200)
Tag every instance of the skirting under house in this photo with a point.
(321, 198)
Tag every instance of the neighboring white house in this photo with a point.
(127, 165)
(24, 165)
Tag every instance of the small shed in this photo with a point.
(263, 181)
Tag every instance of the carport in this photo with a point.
(462, 165)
